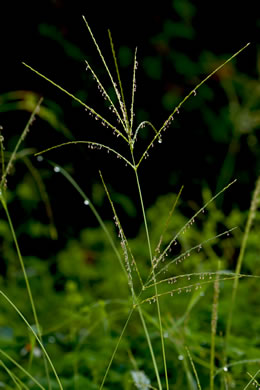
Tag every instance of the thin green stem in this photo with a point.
(193, 368)
(77, 100)
(2, 154)
(251, 216)
(21, 263)
(121, 95)
(21, 368)
(133, 93)
(94, 211)
(214, 320)
(252, 379)
(5, 172)
(183, 229)
(94, 145)
(195, 286)
(125, 246)
(26, 280)
(107, 69)
(14, 153)
(35, 335)
(141, 126)
(200, 274)
(238, 363)
(148, 341)
(155, 287)
(116, 348)
(176, 110)
(168, 221)
(99, 219)
(150, 347)
(182, 256)
(12, 376)
(104, 92)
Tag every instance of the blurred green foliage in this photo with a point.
(82, 319)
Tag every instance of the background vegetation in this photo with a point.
(80, 292)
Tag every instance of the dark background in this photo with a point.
(179, 43)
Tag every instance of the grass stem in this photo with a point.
(251, 216)
(155, 287)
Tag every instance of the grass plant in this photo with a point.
(160, 280)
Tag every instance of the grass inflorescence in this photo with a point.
(162, 278)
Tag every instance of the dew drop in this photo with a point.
(225, 369)
(194, 93)
(86, 202)
(56, 169)
(37, 352)
(39, 158)
(180, 357)
(159, 140)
